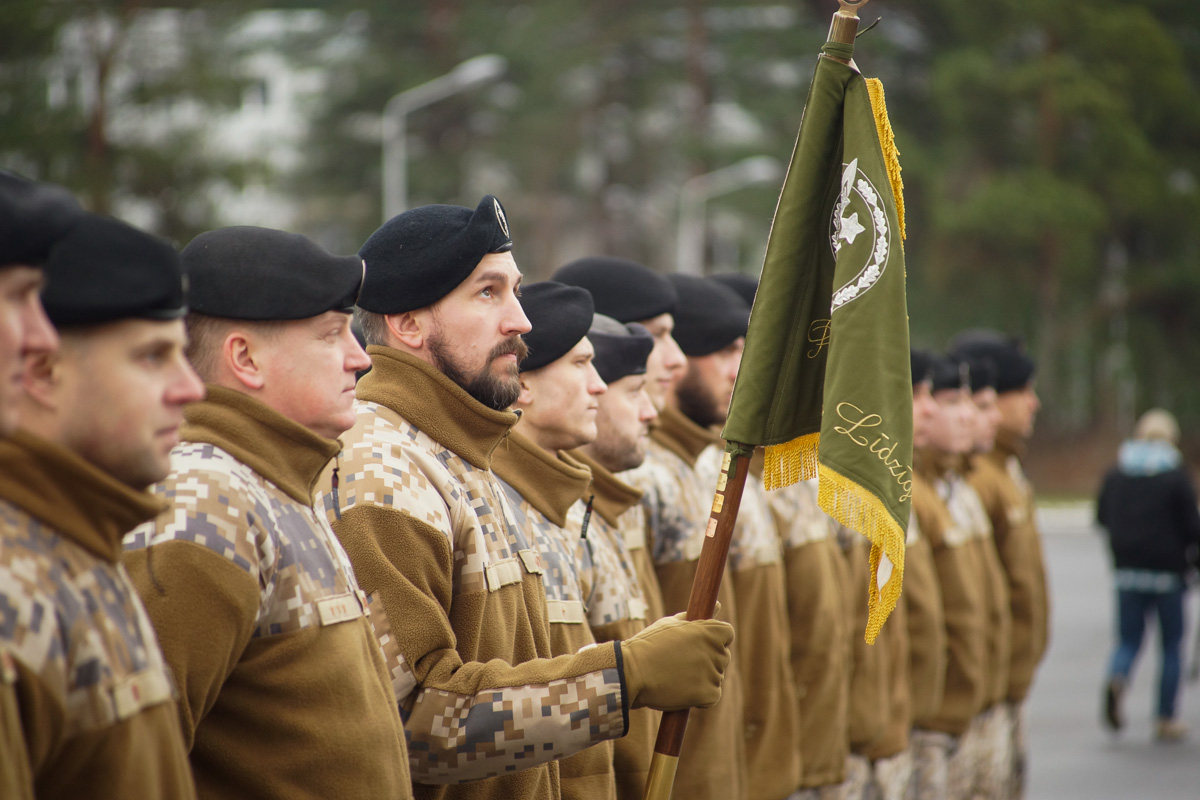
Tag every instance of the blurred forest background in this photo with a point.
(1051, 150)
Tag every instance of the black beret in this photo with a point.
(104, 270)
(745, 285)
(418, 257)
(621, 348)
(622, 289)
(33, 216)
(922, 365)
(262, 274)
(982, 371)
(709, 316)
(1014, 368)
(946, 373)
(560, 316)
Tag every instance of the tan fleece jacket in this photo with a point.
(94, 698)
(999, 640)
(712, 763)
(869, 681)
(923, 613)
(893, 739)
(820, 633)
(772, 713)
(1009, 502)
(617, 604)
(958, 557)
(284, 692)
(428, 528)
(541, 489)
(16, 781)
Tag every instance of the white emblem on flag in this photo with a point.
(867, 217)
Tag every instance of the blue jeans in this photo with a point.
(1132, 609)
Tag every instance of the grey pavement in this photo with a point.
(1071, 754)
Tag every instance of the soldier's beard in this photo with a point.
(615, 451)
(497, 392)
(698, 402)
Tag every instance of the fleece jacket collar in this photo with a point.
(681, 436)
(284, 452)
(1008, 444)
(934, 464)
(70, 495)
(436, 405)
(611, 497)
(550, 484)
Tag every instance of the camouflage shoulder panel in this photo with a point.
(676, 503)
(799, 519)
(967, 511)
(556, 552)
(386, 461)
(216, 502)
(75, 622)
(305, 579)
(612, 589)
(755, 540)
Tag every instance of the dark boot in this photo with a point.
(1113, 693)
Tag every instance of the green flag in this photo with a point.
(825, 380)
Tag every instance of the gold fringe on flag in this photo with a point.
(854, 507)
(887, 142)
(860, 510)
(790, 462)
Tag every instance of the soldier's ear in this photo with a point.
(40, 377)
(525, 397)
(242, 359)
(410, 328)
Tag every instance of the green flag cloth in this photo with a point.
(825, 381)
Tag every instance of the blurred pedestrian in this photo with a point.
(1148, 506)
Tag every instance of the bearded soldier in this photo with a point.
(619, 604)
(430, 530)
(711, 322)
(99, 418)
(560, 390)
(32, 218)
(283, 690)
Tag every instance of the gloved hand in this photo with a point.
(676, 664)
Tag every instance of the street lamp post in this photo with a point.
(695, 194)
(469, 74)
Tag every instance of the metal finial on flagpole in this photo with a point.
(844, 26)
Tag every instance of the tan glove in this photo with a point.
(676, 664)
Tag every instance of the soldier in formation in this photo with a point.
(463, 575)
(99, 409)
(254, 599)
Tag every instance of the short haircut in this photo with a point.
(207, 334)
(374, 326)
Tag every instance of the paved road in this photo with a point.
(1072, 756)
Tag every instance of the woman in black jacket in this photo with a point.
(1148, 506)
